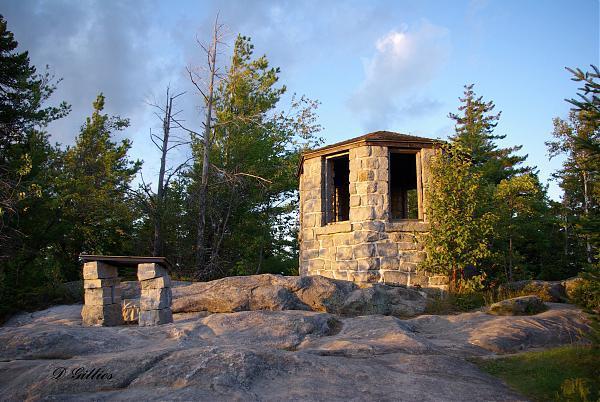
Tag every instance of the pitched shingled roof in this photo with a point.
(388, 138)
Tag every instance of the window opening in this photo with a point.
(338, 188)
(404, 200)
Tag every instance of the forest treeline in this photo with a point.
(230, 209)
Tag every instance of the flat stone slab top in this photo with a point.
(126, 260)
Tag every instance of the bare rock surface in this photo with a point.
(271, 355)
(316, 293)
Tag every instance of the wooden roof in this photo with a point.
(126, 260)
(382, 138)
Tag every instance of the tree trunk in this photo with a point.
(203, 190)
(160, 192)
(510, 258)
(586, 209)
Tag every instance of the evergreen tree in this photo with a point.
(579, 179)
(474, 132)
(93, 189)
(22, 97)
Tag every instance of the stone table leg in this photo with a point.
(102, 295)
(155, 300)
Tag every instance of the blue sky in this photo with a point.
(381, 65)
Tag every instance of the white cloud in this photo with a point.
(404, 62)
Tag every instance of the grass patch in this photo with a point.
(568, 373)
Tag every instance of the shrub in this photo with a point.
(586, 293)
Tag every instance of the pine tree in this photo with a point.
(474, 132)
(22, 97)
(93, 189)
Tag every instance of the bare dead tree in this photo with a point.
(164, 144)
(207, 91)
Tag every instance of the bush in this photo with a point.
(33, 299)
(586, 293)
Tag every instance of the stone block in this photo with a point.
(383, 162)
(395, 277)
(364, 250)
(366, 236)
(363, 151)
(382, 175)
(418, 279)
(370, 163)
(367, 264)
(362, 213)
(156, 283)
(327, 252)
(366, 187)
(102, 296)
(377, 151)
(389, 263)
(374, 199)
(342, 275)
(355, 201)
(366, 175)
(343, 253)
(364, 276)
(309, 254)
(326, 241)
(98, 270)
(412, 256)
(344, 265)
(155, 299)
(353, 188)
(100, 283)
(108, 315)
(405, 237)
(407, 266)
(308, 234)
(343, 239)
(405, 245)
(309, 220)
(376, 226)
(387, 249)
(326, 273)
(310, 244)
(150, 270)
(315, 264)
(155, 317)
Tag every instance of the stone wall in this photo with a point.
(368, 247)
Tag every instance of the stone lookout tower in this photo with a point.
(361, 203)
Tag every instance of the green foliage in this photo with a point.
(93, 188)
(486, 211)
(586, 293)
(589, 95)
(474, 133)
(22, 111)
(252, 195)
(560, 374)
(458, 211)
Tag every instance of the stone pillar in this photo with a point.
(102, 295)
(155, 299)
